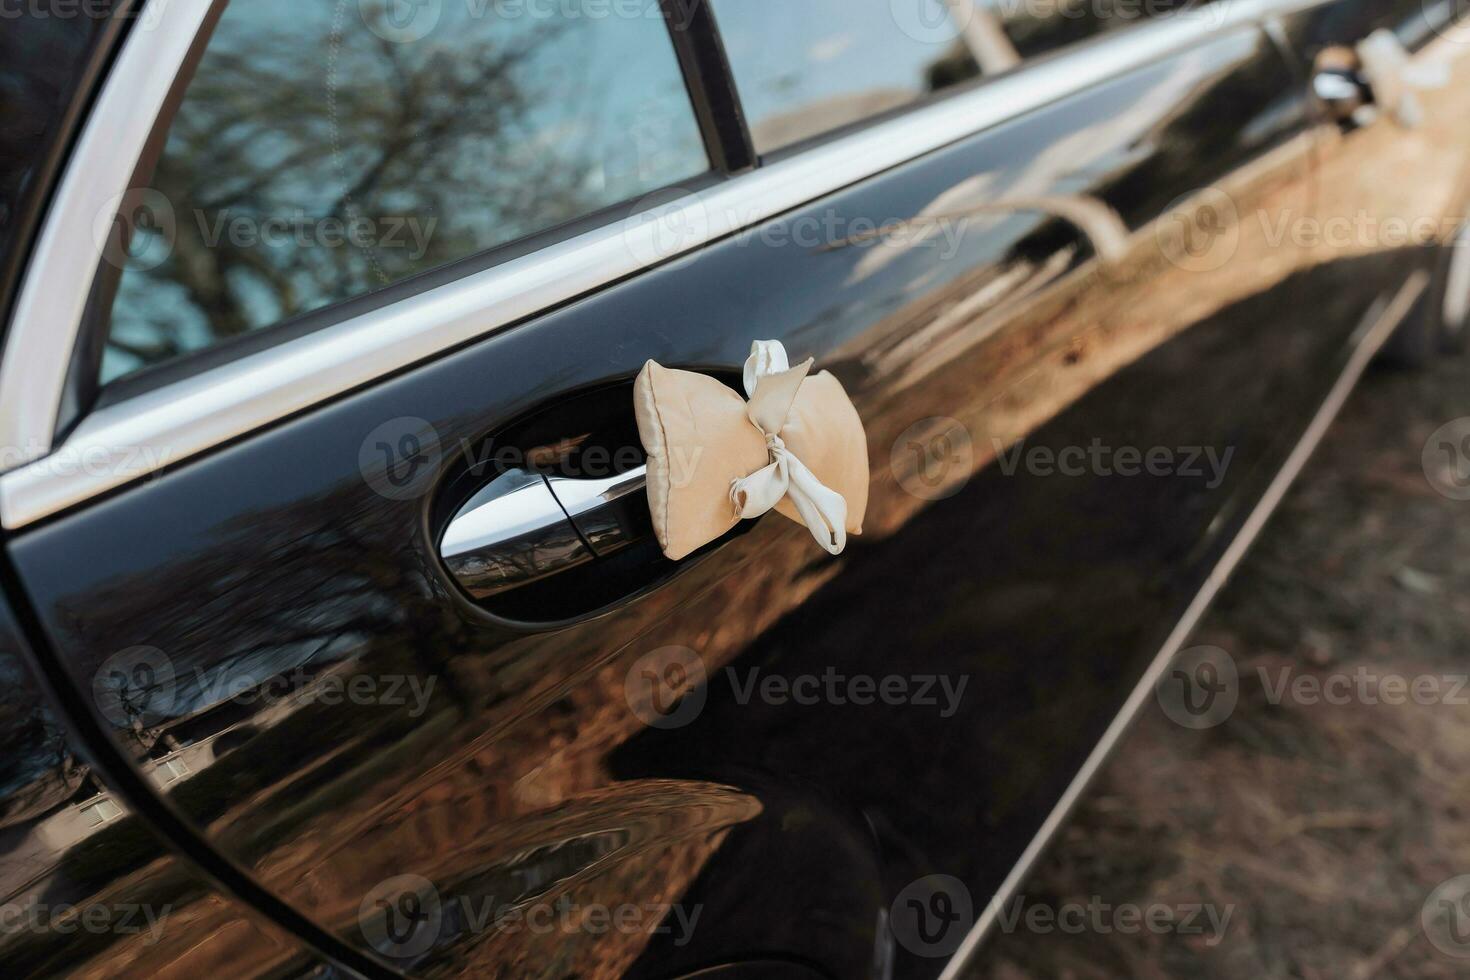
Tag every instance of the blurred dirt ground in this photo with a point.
(1323, 828)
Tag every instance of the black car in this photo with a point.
(295, 288)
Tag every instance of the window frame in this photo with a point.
(989, 69)
(722, 144)
(50, 470)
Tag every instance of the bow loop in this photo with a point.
(767, 357)
(770, 406)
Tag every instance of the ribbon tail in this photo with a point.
(822, 510)
(757, 493)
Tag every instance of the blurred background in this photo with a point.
(1325, 829)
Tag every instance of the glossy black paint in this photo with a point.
(47, 65)
(86, 887)
(278, 554)
(510, 763)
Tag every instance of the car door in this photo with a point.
(1374, 226)
(89, 887)
(1077, 360)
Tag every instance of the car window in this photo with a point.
(1037, 28)
(804, 67)
(324, 149)
(809, 67)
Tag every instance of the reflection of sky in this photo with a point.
(787, 54)
(281, 121)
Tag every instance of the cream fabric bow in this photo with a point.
(771, 385)
(794, 443)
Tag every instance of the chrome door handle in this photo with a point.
(524, 526)
(1343, 93)
(1358, 85)
(610, 514)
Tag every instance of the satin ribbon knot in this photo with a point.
(771, 385)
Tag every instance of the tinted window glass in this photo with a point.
(41, 61)
(804, 67)
(327, 148)
(1036, 27)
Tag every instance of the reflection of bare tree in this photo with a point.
(292, 124)
(261, 605)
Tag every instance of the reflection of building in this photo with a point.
(101, 810)
(179, 750)
(26, 866)
(85, 814)
(188, 745)
(75, 822)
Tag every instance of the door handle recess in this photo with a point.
(525, 525)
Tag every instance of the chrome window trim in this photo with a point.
(59, 272)
(126, 441)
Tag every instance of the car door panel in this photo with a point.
(361, 730)
(87, 889)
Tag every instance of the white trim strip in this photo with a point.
(1378, 329)
(128, 440)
